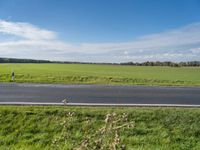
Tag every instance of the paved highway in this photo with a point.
(98, 94)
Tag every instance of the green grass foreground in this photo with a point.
(101, 74)
(86, 128)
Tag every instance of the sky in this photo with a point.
(100, 30)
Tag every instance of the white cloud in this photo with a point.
(179, 44)
(25, 30)
(195, 50)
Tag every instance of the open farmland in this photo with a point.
(101, 74)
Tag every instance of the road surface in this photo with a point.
(99, 94)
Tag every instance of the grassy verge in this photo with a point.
(101, 74)
(94, 128)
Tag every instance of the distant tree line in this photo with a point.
(16, 60)
(147, 63)
(166, 63)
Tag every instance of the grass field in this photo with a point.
(33, 128)
(100, 74)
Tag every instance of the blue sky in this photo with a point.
(100, 30)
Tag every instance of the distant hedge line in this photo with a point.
(147, 63)
(15, 60)
(167, 63)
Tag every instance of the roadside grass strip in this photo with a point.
(85, 128)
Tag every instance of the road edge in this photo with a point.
(98, 104)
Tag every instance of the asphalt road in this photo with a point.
(44, 93)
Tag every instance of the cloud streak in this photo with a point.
(181, 44)
(25, 30)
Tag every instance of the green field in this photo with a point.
(101, 74)
(83, 128)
